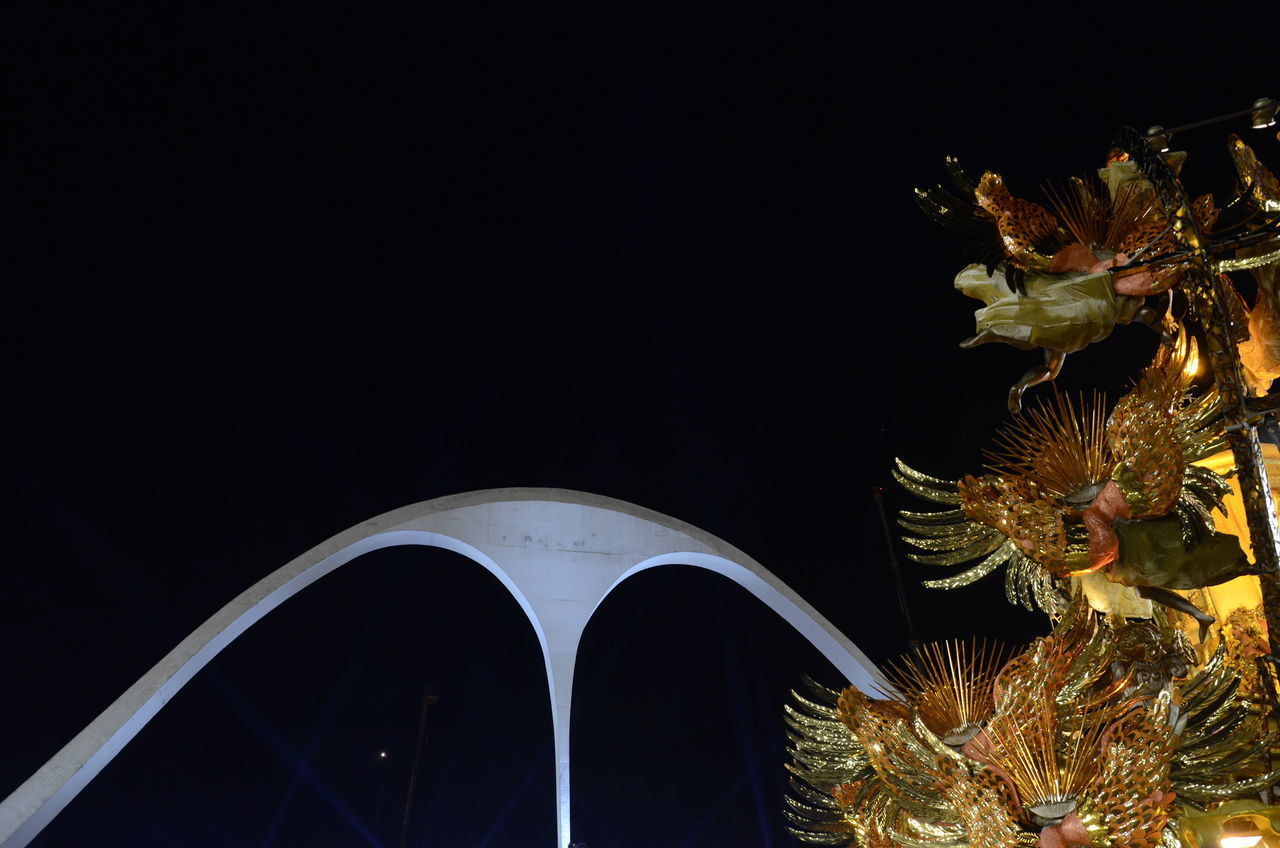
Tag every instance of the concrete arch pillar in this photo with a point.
(558, 552)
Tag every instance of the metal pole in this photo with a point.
(912, 642)
(429, 697)
(1209, 296)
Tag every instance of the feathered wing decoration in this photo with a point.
(1144, 435)
(1221, 741)
(1161, 432)
(1002, 229)
(957, 208)
(1023, 511)
(1056, 667)
(949, 538)
(828, 767)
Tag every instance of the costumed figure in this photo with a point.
(1116, 505)
(1068, 278)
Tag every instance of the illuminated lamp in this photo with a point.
(1264, 113)
(1158, 138)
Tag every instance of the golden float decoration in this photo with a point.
(1146, 530)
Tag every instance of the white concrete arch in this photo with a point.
(558, 552)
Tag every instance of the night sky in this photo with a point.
(274, 270)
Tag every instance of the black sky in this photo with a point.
(274, 270)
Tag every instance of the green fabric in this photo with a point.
(1062, 312)
(1152, 554)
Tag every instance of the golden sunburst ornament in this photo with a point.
(1049, 766)
(1097, 220)
(949, 685)
(1060, 445)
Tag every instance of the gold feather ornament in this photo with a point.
(949, 685)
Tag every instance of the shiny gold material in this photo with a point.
(1060, 450)
(1026, 514)
(1260, 186)
(1149, 653)
(990, 563)
(1026, 227)
(1072, 744)
(1216, 307)
(828, 767)
(948, 684)
(1117, 730)
(985, 804)
(1247, 262)
(1206, 829)
(1144, 435)
(1051, 466)
(1132, 791)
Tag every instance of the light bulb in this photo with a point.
(1264, 113)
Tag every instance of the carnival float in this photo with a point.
(1145, 529)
